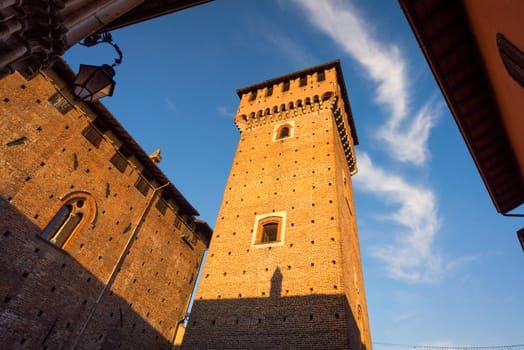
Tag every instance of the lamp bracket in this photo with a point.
(97, 38)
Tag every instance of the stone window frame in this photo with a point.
(278, 128)
(278, 218)
(77, 211)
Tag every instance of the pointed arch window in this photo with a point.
(67, 221)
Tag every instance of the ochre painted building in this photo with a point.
(284, 268)
(98, 250)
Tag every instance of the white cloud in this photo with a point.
(409, 256)
(222, 110)
(289, 48)
(386, 67)
(170, 104)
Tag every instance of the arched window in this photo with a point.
(283, 131)
(269, 229)
(72, 216)
(269, 232)
(327, 96)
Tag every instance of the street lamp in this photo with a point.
(95, 82)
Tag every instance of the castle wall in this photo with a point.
(125, 275)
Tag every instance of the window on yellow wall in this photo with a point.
(321, 76)
(303, 81)
(283, 131)
(269, 229)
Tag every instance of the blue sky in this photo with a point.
(441, 266)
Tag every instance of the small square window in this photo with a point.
(321, 76)
(60, 102)
(161, 206)
(269, 91)
(178, 223)
(119, 161)
(285, 87)
(253, 96)
(303, 81)
(142, 186)
(92, 135)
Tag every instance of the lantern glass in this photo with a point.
(94, 82)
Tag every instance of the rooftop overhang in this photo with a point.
(34, 33)
(151, 9)
(446, 37)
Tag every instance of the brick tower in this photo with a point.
(283, 269)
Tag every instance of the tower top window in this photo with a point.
(283, 131)
(303, 81)
(321, 76)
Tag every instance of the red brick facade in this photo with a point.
(124, 277)
(302, 287)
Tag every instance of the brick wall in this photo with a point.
(305, 291)
(123, 278)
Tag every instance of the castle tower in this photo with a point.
(283, 269)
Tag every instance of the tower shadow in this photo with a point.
(313, 321)
(276, 284)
